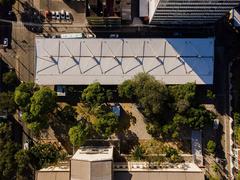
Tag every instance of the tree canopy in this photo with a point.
(79, 133)
(126, 89)
(38, 156)
(169, 109)
(7, 102)
(197, 118)
(107, 124)
(68, 114)
(94, 94)
(43, 101)
(23, 93)
(35, 103)
(10, 81)
(152, 95)
(183, 95)
(7, 151)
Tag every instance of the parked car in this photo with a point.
(68, 18)
(48, 14)
(58, 17)
(53, 14)
(5, 42)
(62, 13)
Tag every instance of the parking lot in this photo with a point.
(76, 10)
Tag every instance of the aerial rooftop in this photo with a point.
(111, 61)
(93, 154)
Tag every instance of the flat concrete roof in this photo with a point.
(56, 168)
(141, 166)
(93, 154)
(111, 61)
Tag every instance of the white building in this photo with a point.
(111, 61)
(96, 163)
(186, 11)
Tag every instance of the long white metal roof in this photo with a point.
(111, 61)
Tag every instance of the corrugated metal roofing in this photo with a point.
(111, 61)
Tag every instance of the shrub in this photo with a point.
(138, 153)
(172, 155)
(210, 95)
(211, 146)
(153, 129)
(236, 117)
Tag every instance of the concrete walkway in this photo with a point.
(138, 127)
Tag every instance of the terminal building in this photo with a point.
(185, 11)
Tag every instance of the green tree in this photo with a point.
(68, 114)
(36, 127)
(152, 95)
(211, 146)
(36, 104)
(23, 93)
(237, 134)
(197, 118)
(10, 81)
(94, 94)
(126, 90)
(23, 162)
(7, 151)
(109, 95)
(183, 91)
(43, 101)
(107, 124)
(43, 155)
(35, 123)
(236, 117)
(78, 134)
(7, 161)
(183, 95)
(7, 102)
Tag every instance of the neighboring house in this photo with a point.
(112, 61)
(191, 12)
(96, 163)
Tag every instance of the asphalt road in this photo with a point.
(21, 53)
